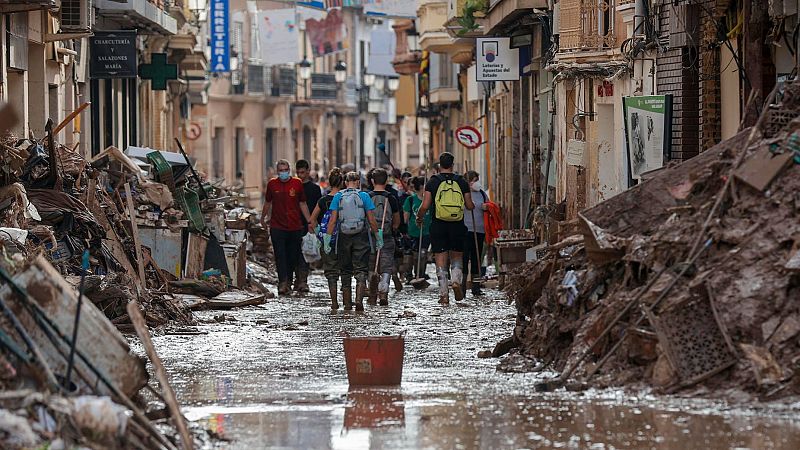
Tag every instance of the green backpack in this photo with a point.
(449, 201)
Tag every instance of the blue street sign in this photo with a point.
(219, 24)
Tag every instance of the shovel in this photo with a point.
(420, 283)
(376, 275)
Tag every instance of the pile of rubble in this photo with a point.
(689, 280)
(90, 249)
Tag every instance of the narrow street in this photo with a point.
(273, 376)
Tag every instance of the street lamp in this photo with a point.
(340, 72)
(369, 79)
(305, 69)
(379, 83)
(393, 84)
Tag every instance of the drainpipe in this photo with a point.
(638, 17)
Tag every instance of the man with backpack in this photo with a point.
(387, 214)
(351, 213)
(320, 219)
(447, 195)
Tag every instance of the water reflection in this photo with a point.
(374, 408)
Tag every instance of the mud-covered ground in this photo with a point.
(274, 376)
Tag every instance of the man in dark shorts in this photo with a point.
(444, 194)
(313, 193)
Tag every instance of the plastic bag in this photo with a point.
(310, 248)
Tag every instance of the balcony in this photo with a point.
(324, 86)
(140, 14)
(431, 25)
(504, 12)
(587, 25)
(12, 6)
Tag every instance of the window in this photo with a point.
(445, 71)
(240, 146)
(218, 152)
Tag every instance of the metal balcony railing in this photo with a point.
(587, 24)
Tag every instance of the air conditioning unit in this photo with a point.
(76, 15)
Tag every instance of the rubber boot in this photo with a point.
(372, 299)
(457, 274)
(347, 294)
(398, 284)
(301, 282)
(283, 288)
(444, 291)
(361, 290)
(333, 289)
(383, 289)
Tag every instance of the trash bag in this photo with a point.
(310, 248)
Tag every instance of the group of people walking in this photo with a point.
(377, 233)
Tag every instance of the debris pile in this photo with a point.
(92, 248)
(690, 278)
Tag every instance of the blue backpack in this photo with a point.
(323, 223)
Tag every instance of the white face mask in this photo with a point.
(476, 186)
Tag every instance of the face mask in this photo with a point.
(476, 186)
(283, 175)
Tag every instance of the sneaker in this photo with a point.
(444, 299)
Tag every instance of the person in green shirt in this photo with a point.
(410, 207)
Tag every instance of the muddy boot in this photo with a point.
(372, 299)
(347, 299)
(283, 288)
(347, 293)
(398, 284)
(444, 289)
(361, 290)
(383, 289)
(458, 288)
(334, 291)
(476, 289)
(301, 282)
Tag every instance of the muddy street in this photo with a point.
(273, 376)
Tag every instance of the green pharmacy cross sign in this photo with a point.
(158, 71)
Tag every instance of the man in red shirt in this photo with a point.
(284, 201)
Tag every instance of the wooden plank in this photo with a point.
(135, 231)
(97, 336)
(235, 299)
(762, 167)
(169, 395)
(195, 255)
(113, 243)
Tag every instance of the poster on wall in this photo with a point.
(328, 35)
(278, 36)
(648, 129)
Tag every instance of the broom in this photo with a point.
(420, 282)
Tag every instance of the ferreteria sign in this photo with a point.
(112, 54)
(495, 60)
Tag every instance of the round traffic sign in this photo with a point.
(194, 131)
(469, 137)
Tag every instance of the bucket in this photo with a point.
(374, 360)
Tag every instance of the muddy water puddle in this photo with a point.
(274, 376)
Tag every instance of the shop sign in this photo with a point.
(496, 60)
(220, 36)
(112, 54)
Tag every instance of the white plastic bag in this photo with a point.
(310, 248)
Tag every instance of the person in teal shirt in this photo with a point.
(352, 212)
(410, 207)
